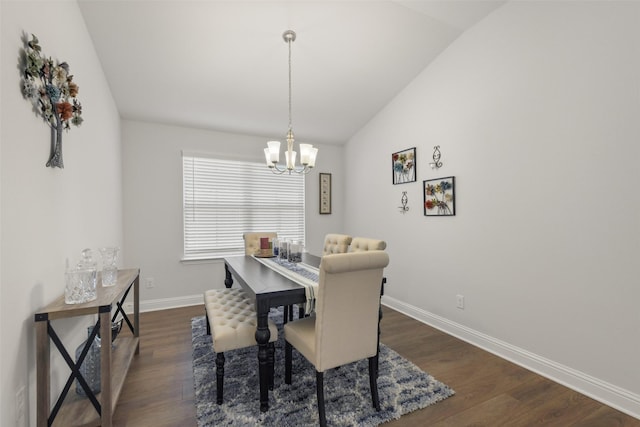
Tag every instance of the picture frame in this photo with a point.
(439, 196)
(325, 193)
(403, 166)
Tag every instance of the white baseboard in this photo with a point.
(609, 394)
(165, 303)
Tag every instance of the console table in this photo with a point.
(93, 410)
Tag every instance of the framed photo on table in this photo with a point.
(325, 193)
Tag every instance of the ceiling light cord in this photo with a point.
(290, 86)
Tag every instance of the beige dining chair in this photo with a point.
(232, 321)
(344, 328)
(336, 243)
(252, 241)
(364, 244)
(361, 244)
(333, 244)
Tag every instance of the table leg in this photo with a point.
(43, 379)
(105, 369)
(384, 280)
(228, 278)
(262, 338)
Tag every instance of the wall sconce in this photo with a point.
(436, 158)
(404, 200)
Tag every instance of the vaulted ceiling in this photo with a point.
(223, 65)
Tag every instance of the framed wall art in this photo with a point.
(325, 193)
(403, 166)
(440, 197)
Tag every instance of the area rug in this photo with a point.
(402, 386)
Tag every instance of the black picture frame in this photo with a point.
(325, 193)
(439, 196)
(403, 166)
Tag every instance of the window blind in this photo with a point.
(225, 198)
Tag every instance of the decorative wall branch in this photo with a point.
(51, 90)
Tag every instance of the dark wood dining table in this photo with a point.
(270, 289)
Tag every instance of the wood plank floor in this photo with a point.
(489, 391)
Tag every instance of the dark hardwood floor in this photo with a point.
(489, 391)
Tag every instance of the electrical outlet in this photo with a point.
(460, 301)
(20, 407)
(149, 283)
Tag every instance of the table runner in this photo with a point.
(301, 273)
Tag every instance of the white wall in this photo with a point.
(48, 215)
(536, 111)
(152, 171)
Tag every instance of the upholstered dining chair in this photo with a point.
(344, 328)
(336, 243)
(362, 244)
(333, 244)
(232, 322)
(252, 241)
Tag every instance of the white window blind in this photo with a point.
(225, 198)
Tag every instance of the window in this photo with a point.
(225, 198)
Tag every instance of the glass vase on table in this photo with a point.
(109, 267)
(295, 251)
(90, 368)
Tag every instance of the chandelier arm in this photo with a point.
(276, 170)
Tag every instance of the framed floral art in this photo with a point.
(403, 166)
(440, 197)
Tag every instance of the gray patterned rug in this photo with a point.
(403, 388)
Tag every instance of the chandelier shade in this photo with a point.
(307, 152)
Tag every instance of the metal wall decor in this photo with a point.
(403, 166)
(436, 158)
(440, 197)
(325, 193)
(404, 200)
(50, 88)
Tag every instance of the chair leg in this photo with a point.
(288, 353)
(320, 393)
(301, 314)
(373, 381)
(219, 376)
(206, 315)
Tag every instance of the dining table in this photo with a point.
(269, 288)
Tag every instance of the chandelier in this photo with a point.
(307, 152)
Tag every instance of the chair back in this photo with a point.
(363, 244)
(252, 241)
(347, 307)
(336, 244)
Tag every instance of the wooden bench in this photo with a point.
(231, 322)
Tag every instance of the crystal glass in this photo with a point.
(295, 251)
(109, 267)
(80, 286)
(284, 249)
